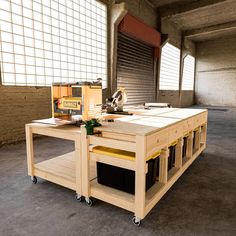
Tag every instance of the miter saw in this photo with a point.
(114, 105)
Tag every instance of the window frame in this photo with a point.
(104, 69)
(177, 81)
(194, 71)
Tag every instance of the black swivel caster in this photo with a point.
(78, 197)
(34, 180)
(89, 201)
(136, 221)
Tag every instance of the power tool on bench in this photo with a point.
(114, 105)
(77, 101)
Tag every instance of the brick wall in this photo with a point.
(21, 105)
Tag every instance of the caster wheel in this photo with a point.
(136, 221)
(89, 201)
(34, 180)
(78, 198)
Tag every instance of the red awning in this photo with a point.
(136, 29)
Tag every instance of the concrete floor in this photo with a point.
(202, 202)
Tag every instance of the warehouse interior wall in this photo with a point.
(186, 98)
(216, 72)
(142, 10)
(177, 98)
(20, 105)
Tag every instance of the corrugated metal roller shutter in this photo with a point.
(135, 70)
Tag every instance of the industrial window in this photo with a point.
(169, 70)
(53, 41)
(188, 73)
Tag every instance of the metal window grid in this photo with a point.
(53, 41)
(188, 73)
(169, 69)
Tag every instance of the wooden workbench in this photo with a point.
(64, 170)
(145, 133)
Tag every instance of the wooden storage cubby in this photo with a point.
(177, 163)
(144, 140)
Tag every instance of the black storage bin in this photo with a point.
(171, 157)
(124, 179)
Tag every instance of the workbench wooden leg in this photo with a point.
(203, 134)
(178, 153)
(163, 171)
(140, 177)
(189, 148)
(29, 150)
(197, 140)
(78, 163)
(85, 163)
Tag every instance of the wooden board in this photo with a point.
(144, 124)
(69, 132)
(151, 112)
(112, 196)
(60, 170)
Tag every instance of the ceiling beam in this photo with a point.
(180, 8)
(210, 30)
(161, 3)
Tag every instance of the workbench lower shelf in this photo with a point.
(153, 195)
(64, 170)
(120, 198)
(159, 189)
(59, 170)
(113, 196)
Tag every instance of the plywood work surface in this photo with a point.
(144, 124)
(151, 112)
(182, 113)
(126, 128)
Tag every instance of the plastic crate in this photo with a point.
(124, 179)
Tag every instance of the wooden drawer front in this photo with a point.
(197, 121)
(204, 117)
(156, 141)
(188, 125)
(175, 132)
